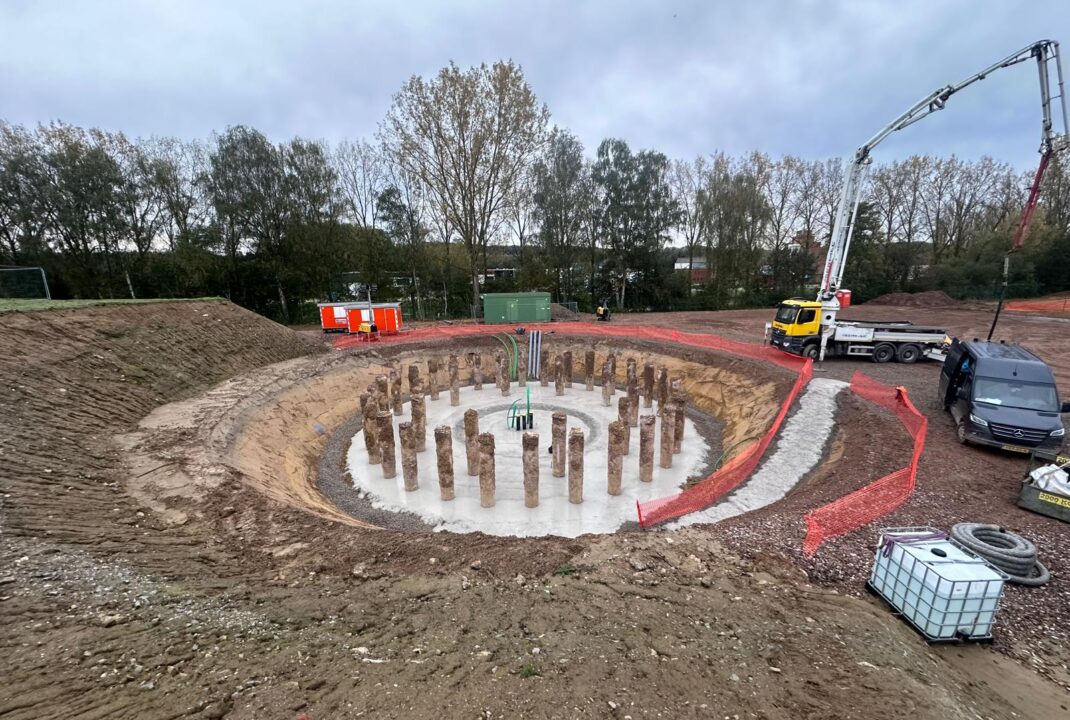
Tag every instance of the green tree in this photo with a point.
(562, 199)
(468, 135)
(84, 208)
(634, 212)
(402, 217)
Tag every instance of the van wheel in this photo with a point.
(811, 351)
(960, 432)
(883, 353)
(908, 354)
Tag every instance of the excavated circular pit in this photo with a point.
(285, 433)
(599, 512)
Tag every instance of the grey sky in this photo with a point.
(810, 78)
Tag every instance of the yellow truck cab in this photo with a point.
(797, 327)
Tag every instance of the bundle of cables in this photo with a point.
(1013, 554)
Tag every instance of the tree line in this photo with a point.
(467, 187)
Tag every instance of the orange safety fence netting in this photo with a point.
(1049, 305)
(595, 329)
(882, 496)
(726, 478)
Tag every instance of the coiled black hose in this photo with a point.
(1011, 553)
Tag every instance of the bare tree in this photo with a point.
(403, 210)
(468, 135)
(886, 191)
(935, 201)
(178, 169)
(829, 190)
(688, 180)
(521, 207)
(780, 185)
(808, 200)
(362, 176)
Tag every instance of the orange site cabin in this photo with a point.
(386, 316)
(333, 316)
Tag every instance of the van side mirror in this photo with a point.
(1066, 408)
(964, 393)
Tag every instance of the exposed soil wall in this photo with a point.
(73, 378)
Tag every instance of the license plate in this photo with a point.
(1015, 448)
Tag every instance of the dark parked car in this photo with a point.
(1002, 395)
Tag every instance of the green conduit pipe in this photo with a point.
(510, 353)
(724, 455)
(516, 356)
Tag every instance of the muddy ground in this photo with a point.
(233, 602)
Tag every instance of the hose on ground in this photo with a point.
(1013, 554)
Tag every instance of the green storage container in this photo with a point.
(513, 308)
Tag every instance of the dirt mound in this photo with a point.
(560, 313)
(929, 298)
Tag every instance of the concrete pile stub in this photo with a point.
(385, 423)
(432, 378)
(444, 453)
(371, 430)
(471, 446)
(623, 413)
(395, 391)
(477, 371)
(486, 470)
(648, 385)
(646, 448)
(455, 381)
(575, 466)
(668, 432)
(617, 446)
(607, 384)
(663, 388)
(419, 418)
(408, 456)
(531, 469)
(558, 424)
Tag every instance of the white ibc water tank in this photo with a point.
(945, 591)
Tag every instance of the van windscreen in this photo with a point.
(1016, 394)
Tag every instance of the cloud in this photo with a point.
(813, 79)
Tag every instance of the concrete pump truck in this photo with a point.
(811, 328)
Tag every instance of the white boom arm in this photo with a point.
(1046, 54)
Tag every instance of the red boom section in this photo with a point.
(1031, 203)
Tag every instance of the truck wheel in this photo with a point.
(811, 351)
(908, 354)
(883, 353)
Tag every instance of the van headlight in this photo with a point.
(978, 421)
(1058, 433)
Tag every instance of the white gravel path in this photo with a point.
(800, 445)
